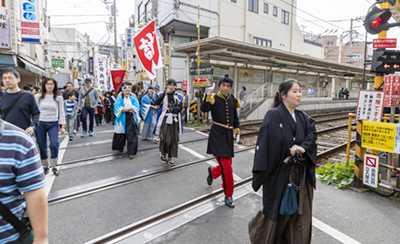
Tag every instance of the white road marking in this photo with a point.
(51, 177)
(202, 133)
(333, 232)
(212, 163)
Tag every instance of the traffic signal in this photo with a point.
(386, 62)
(377, 20)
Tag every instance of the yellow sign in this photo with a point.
(245, 75)
(378, 135)
(123, 65)
(75, 75)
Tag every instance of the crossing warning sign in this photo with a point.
(379, 136)
(370, 105)
(371, 170)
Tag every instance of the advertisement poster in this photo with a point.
(391, 89)
(220, 71)
(245, 75)
(5, 24)
(258, 76)
(277, 78)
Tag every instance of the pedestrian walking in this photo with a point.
(148, 110)
(169, 122)
(70, 88)
(108, 104)
(51, 106)
(221, 139)
(88, 99)
(17, 106)
(136, 91)
(286, 133)
(21, 188)
(185, 102)
(113, 99)
(99, 109)
(71, 109)
(126, 109)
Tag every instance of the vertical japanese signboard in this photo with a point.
(391, 90)
(123, 51)
(47, 54)
(91, 65)
(101, 72)
(184, 85)
(128, 34)
(129, 61)
(30, 21)
(5, 24)
(371, 170)
(370, 105)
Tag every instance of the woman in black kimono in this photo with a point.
(285, 130)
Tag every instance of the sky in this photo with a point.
(314, 16)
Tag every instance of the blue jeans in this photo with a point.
(85, 112)
(50, 128)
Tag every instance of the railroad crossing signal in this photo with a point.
(386, 62)
(377, 20)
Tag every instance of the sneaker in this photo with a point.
(46, 170)
(74, 132)
(90, 133)
(83, 134)
(71, 138)
(156, 140)
(55, 171)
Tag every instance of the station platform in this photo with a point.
(308, 105)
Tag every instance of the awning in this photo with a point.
(32, 68)
(6, 61)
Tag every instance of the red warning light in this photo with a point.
(376, 23)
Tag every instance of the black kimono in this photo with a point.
(278, 133)
(223, 111)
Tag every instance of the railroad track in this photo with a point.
(58, 198)
(123, 234)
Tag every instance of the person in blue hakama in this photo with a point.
(148, 110)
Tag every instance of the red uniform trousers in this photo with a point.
(224, 169)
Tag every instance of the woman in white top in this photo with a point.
(51, 107)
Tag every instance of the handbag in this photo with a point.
(289, 202)
(23, 226)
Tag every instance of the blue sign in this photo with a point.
(310, 91)
(91, 65)
(128, 37)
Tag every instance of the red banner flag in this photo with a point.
(147, 49)
(117, 77)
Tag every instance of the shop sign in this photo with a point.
(128, 33)
(370, 105)
(91, 65)
(55, 63)
(5, 24)
(204, 70)
(30, 21)
(184, 85)
(48, 62)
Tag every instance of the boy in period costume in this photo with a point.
(221, 138)
(149, 113)
(169, 122)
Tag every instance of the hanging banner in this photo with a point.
(101, 81)
(117, 77)
(147, 49)
(30, 21)
(391, 89)
(370, 105)
(5, 24)
(91, 65)
(128, 36)
(48, 63)
(129, 61)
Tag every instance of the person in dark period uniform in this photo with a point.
(285, 131)
(169, 122)
(221, 139)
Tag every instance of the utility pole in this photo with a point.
(115, 33)
(351, 41)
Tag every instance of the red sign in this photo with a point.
(391, 90)
(29, 24)
(371, 162)
(117, 78)
(184, 85)
(385, 43)
(31, 32)
(146, 46)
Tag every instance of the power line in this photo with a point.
(80, 15)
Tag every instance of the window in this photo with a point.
(253, 6)
(331, 43)
(266, 8)
(285, 17)
(275, 11)
(234, 1)
(358, 57)
(138, 14)
(262, 42)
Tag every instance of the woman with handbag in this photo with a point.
(284, 164)
(52, 114)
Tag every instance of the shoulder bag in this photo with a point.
(13, 105)
(23, 226)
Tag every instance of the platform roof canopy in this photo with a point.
(228, 50)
